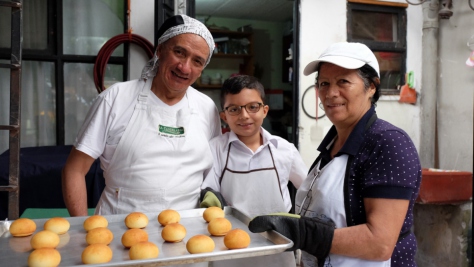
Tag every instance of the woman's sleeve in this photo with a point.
(392, 167)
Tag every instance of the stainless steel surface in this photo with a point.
(14, 251)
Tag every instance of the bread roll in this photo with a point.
(95, 221)
(200, 244)
(173, 232)
(100, 235)
(219, 226)
(44, 257)
(44, 239)
(143, 250)
(96, 253)
(136, 220)
(133, 236)
(213, 212)
(22, 227)
(168, 216)
(58, 225)
(236, 238)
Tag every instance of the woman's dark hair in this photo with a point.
(234, 85)
(368, 75)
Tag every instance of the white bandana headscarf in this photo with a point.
(172, 27)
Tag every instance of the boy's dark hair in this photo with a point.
(234, 85)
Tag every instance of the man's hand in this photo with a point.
(211, 198)
(312, 235)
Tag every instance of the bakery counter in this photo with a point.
(14, 251)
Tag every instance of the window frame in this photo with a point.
(400, 46)
(54, 53)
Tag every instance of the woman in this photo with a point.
(365, 180)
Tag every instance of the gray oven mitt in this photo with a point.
(312, 235)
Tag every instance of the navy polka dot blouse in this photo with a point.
(384, 163)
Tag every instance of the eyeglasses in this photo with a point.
(234, 110)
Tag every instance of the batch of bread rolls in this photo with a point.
(98, 237)
(44, 242)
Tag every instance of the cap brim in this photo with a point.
(345, 62)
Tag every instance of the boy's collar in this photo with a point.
(267, 137)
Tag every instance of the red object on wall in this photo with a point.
(445, 187)
(225, 130)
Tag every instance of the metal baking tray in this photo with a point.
(14, 251)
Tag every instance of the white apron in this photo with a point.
(243, 190)
(159, 161)
(322, 195)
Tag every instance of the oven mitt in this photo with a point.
(211, 198)
(312, 235)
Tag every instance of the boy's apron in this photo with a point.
(254, 192)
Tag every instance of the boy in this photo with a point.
(251, 167)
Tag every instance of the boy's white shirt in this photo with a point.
(288, 161)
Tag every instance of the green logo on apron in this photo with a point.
(171, 130)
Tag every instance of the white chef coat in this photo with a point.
(159, 162)
(111, 111)
(287, 160)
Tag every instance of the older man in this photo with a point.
(151, 134)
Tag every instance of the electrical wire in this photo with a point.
(108, 48)
(304, 109)
(415, 4)
(470, 4)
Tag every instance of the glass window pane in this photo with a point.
(38, 104)
(390, 69)
(35, 24)
(5, 27)
(80, 92)
(374, 26)
(99, 21)
(35, 32)
(4, 104)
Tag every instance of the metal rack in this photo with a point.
(13, 188)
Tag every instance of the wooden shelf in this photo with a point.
(222, 55)
(234, 34)
(207, 86)
(246, 63)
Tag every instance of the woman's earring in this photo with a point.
(321, 106)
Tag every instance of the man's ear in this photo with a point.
(158, 50)
(223, 116)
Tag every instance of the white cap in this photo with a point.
(346, 55)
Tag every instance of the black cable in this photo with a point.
(108, 48)
(304, 109)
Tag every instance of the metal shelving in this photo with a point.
(13, 188)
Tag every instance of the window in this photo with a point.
(60, 41)
(382, 29)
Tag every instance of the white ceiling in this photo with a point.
(266, 10)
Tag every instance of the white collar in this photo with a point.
(266, 136)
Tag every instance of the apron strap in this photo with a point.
(225, 167)
(278, 176)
